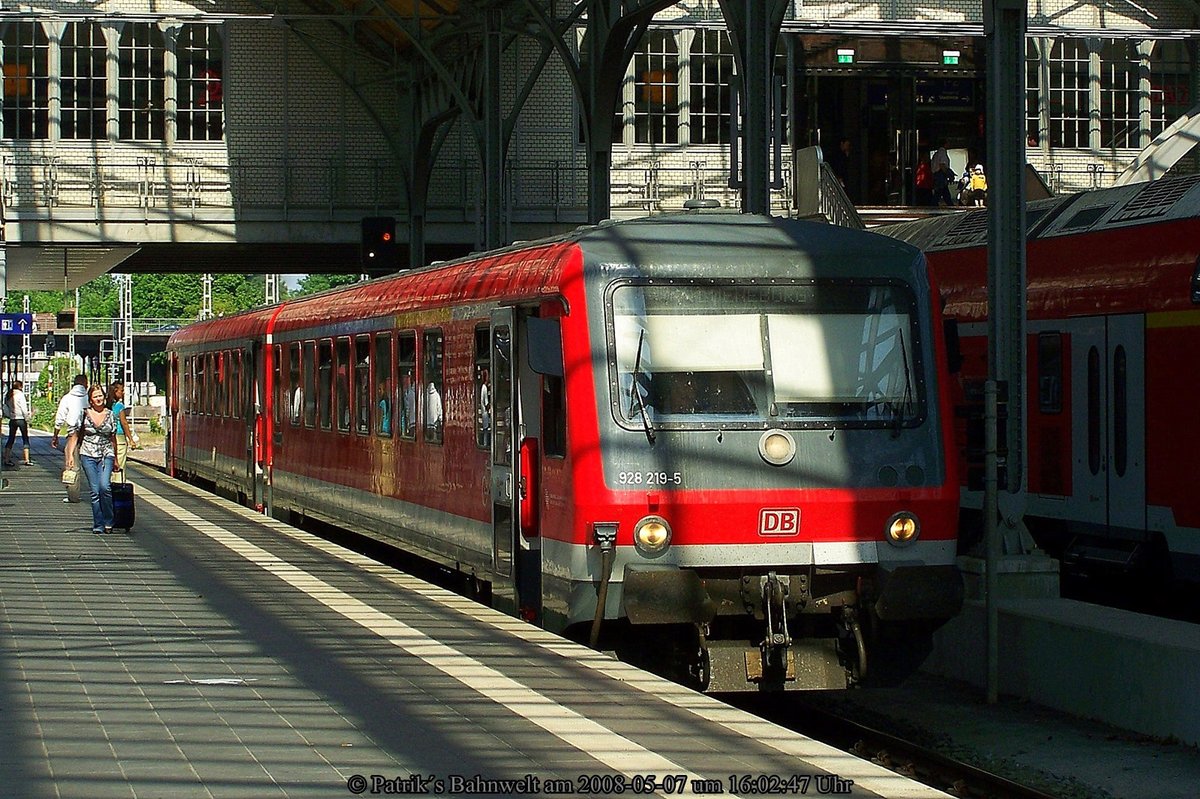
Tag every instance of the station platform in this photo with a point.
(214, 652)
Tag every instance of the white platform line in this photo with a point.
(615, 751)
(866, 775)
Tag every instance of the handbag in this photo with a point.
(70, 476)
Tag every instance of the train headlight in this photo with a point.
(652, 535)
(776, 447)
(902, 529)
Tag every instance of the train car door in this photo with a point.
(505, 416)
(1109, 410)
(256, 370)
(174, 399)
(516, 587)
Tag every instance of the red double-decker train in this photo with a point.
(715, 443)
(1113, 342)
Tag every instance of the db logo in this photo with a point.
(779, 521)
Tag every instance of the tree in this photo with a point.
(99, 298)
(39, 302)
(235, 293)
(312, 284)
(166, 296)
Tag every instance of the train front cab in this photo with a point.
(771, 494)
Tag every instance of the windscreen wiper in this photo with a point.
(901, 407)
(635, 394)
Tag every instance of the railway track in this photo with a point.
(903, 756)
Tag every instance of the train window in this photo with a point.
(431, 373)
(236, 387)
(228, 385)
(325, 383)
(294, 396)
(804, 354)
(214, 385)
(310, 384)
(277, 383)
(229, 382)
(1196, 284)
(342, 385)
(246, 395)
(363, 395)
(201, 388)
(1120, 411)
(554, 417)
(385, 388)
(189, 364)
(215, 374)
(218, 405)
(1093, 410)
(483, 389)
(502, 370)
(1050, 372)
(406, 357)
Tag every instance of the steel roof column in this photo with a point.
(1004, 26)
(493, 136)
(1004, 22)
(602, 92)
(754, 27)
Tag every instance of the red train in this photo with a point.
(1113, 355)
(715, 443)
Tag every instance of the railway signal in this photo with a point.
(379, 243)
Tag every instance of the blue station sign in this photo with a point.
(16, 324)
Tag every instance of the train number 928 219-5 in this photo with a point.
(650, 478)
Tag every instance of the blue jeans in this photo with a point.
(99, 475)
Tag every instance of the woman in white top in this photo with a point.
(16, 408)
(98, 433)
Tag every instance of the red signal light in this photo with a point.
(387, 236)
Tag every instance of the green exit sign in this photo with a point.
(845, 56)
(950, 57)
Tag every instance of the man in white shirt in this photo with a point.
(70, 411)
(433, 413)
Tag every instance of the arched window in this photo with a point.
(1067, 93)
(140, 86)
(26, 107)
(1120, 115)
(201, 93)
(711, 62)
(1033, 85)
(1171, 69)
(656, 76)
(83, 82)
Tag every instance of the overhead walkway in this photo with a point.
(213, 652)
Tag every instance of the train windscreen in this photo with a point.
(711, 353)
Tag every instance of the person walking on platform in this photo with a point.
(126, 438)
(975, 187)
(943, 175)
(16, 408)
(97, 435)
(70, 410)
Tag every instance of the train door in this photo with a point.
(174, 399)
(504, 470)
(514, 470)
(1108, 409)
(256, 371)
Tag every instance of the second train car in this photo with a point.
(1113, 321)
(715, 443)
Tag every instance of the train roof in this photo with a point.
(723, 241)
(532, 271)
(1157, 201)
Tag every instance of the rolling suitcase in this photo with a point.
(122, 500)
